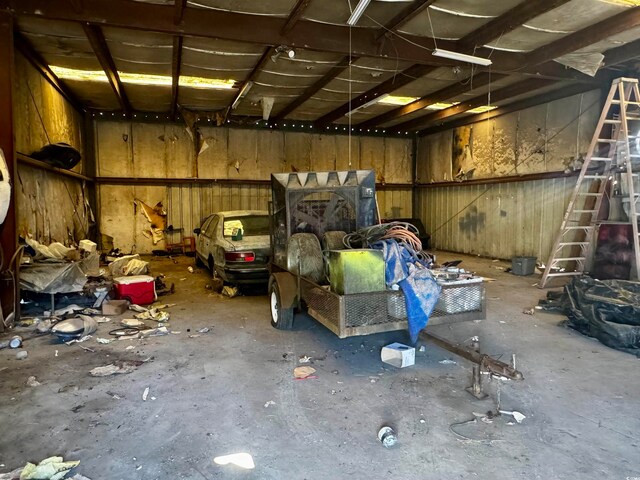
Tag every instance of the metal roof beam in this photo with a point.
(336, 70)
(294, 16)
(101, 49)
(393, 83)
(176, 63)
(406, 14)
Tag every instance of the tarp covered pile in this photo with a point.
(608, 310)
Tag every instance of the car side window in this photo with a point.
(205, 224)
(211, 228)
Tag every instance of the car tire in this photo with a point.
(199, 263)
(281, 318)
(212, 266)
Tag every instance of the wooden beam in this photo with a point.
(9, 301)
(256, 69)
(36, 60)
(507, 22)
(441, 95)
(388, 86)
(176, 63)
(101, 50)
(179, 6)
(512, 107)
(499, 95)
(316, 87)
(294, 16)
(32, 162)
(404, 16)
(621, 22)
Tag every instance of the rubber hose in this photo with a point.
(304, 256)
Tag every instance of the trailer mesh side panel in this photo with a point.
(325, 303)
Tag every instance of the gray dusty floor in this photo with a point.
(581, 398)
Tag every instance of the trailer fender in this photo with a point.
(288, 288)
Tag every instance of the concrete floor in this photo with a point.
(581, 398)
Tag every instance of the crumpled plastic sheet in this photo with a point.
(608, 310)
(53, 276)
(128, 265)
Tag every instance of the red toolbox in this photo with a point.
(138, 289)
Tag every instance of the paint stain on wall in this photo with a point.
(472, 222)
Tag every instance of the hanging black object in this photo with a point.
(60, 155)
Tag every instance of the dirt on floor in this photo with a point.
(232, 390)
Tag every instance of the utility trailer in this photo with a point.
(310, 214)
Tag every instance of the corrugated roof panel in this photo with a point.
(98, 95)
(147, 98)
(135, 51)
(272, 8)
(337, 12)
(205, 99)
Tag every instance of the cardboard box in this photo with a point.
(398, 355)
(114, 307)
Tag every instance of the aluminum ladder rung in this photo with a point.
(617, 102)
(584, 211)
(569, 259)
(610, 121)
(595, 176)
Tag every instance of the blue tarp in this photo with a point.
(421, 291)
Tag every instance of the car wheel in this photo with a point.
(211, 266)
(199, 263)
(281, 318)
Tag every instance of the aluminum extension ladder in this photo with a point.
(614, 152)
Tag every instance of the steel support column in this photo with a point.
(8, 230)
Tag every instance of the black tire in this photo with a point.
(281, 318)
(212, 267)
(199, 263)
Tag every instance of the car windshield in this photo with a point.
(250, 225)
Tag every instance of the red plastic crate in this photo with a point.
(138, 289)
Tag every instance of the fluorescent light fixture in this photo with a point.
(438, 52)
(397, 100)
(357, 12)
(368, 104)
(482, 109)
(142, 79)
(440, 105)
(243, 92)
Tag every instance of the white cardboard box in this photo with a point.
(398, 355)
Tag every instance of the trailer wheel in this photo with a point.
(281, 318)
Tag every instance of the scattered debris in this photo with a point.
(230, 292)
(145, 394)
(77, 408)
(204, 330)
(154, 314)
(15, 342)
(448, 361)
(269, 403)
(126, 366)
(154, 332)
(190, 268)
(304, 359)
(75, 328)
(387, 436)
(130, 347)
(304, 372)
(132, 322)
(32, 382)
(78, 340)
(68, 388)
(335, 372)
(114, 307)
(137, 308)
(43, 326)
(52, 468)
(517, 416)
(22, 355)
(529, 311)
(104, 340)
(423, 348)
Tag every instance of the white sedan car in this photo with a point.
(235, 245)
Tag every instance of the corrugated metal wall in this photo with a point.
(49, 207)
(505, 219)
(160, 151)
(497, 220)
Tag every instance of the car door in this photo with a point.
(200, 244)
(209, 236)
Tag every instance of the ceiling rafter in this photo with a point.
(101, 49)
(389, 85)
(336, 70)
(625, 20)
(250, 78)
(563, 92)
(260, 29)
(294, 16)
(507, 22)
(35, 59)
(622, 54)
(176, 64)
(510, 91)
(404, 16)
(479, 80)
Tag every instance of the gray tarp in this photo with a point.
(55, 276)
